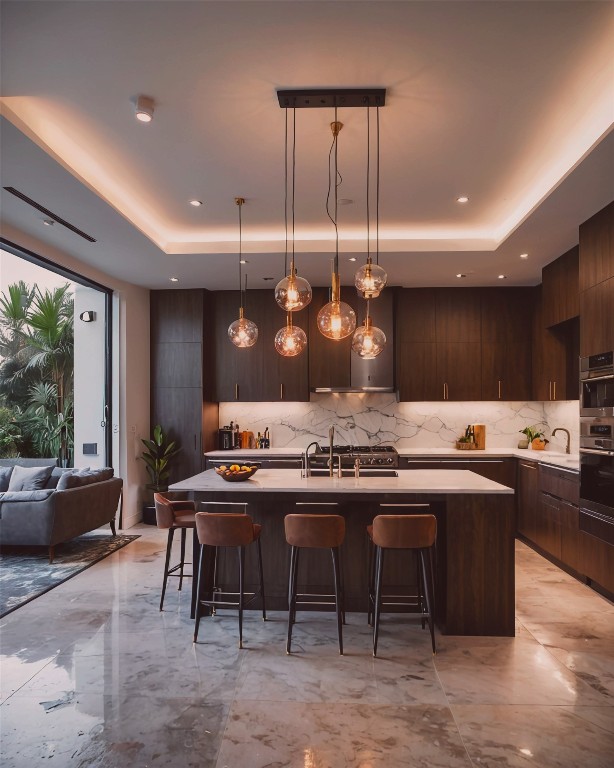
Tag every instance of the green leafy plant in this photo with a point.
(10, 435)
(157, 458)
(532, 433)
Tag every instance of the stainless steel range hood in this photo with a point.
(375, 375)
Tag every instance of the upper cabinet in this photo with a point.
(560, 289)
(257, 373)
(597, 248)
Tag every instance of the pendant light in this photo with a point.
(290, 340)
(371, 279)
(292, 293)
(336, 320)
(242, 332)
(368, 341)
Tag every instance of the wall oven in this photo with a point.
(597, 477)
(597, 385)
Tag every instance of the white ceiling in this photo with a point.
(509, 103)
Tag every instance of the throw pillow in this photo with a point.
(29, 478)
(5, 477)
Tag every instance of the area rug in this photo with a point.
(26, 573)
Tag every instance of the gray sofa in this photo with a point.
(64, 508)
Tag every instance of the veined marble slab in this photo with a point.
(446, 481)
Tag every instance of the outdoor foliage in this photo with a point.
(10, 434)
(36, 367)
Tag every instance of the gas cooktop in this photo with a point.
(372, 455)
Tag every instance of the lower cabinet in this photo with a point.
(500, 470)
(527, 498)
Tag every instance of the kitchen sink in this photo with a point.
(363, 472)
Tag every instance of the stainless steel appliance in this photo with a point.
(376, 457)
(226, 439)
(597, 477)
(597, 385)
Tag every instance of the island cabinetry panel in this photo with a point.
(181, 375)
(598, 561)
(560, 288)
(597, 248)
(258, 373)
(506, 349)
(500, 470)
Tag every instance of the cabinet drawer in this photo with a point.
(560, 482)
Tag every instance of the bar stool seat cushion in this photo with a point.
(185, 520)
(174, 514)
(226, 530)
(315, 531)
(404, 531)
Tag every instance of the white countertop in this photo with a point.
(563, 460)
(450, 481)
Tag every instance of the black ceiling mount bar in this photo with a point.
(50, 214)
(318, 98)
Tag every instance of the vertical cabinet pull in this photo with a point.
(549, 390)
(281, 391)
(445, 391)
(554, 390)
(236, 391)
(499, 389)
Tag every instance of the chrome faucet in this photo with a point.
(566, 431)
(331, 438)
(306, 468)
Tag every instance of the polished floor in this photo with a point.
(94, 675)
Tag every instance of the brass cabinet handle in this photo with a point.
(499, 389)
(445, 391)
(281, 391)
(528, 466)
(554, 390)
(549, 390)
(236, 391)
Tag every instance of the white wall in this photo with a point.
(131, 408)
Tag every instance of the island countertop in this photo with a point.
(427, 481)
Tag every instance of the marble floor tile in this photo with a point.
(103, 678)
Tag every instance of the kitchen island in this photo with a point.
(475, 542)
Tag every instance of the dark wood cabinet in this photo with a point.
(459, 371)
(506, 353)
(560, 289)
(329, 361)
(553, 377)
(258, 373)
(597, 249)
(571, 553)
(597, 318)
(181, 375)
(458, 315)
(415, 347)
(527, 498)
(597, 561)
(500, 470)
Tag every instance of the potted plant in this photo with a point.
(157, 458)
(533, 437)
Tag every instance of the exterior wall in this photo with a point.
(130, 415)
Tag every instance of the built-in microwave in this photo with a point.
(597, 385)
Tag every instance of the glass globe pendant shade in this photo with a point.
(243, 332)
(370, 280)
(293, 293)
(368, 341)
(290, 340)
(336, 320)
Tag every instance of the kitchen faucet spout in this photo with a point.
(566, 431)
(331, 438)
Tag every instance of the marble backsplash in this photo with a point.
(369, 419)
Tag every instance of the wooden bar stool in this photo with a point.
(320, 531)
(174, 515)
(227, 530)
(403, 531)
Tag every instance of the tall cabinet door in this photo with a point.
(329, 361)
(458, 332)
(415, 344)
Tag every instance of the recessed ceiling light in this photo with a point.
(345, 201)
(462, 199)
(48, 222)
(352, 258)
(460, 274)
(174, 279)
(196, 203)
(524, 255)
(144, 109)
(502, 277)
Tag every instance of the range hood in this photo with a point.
(375, 375)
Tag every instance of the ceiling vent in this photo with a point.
(50, 214)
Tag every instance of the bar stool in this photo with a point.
(403, 531)
(174, 515)
(227, 530)
(320, 531)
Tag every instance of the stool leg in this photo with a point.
(428, 591)
(183, 533)
(261, 580)
(241, 585)
(214, 580)
(378, 595)
(199, 591)
(338, 596)
(295, 583)
(291, 594)
(169, 544)
(371, 581)
(420, 590)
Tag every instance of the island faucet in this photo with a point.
(566, 431)
(307, 468)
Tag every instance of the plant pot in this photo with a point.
(523, 443)
(149, 514)
(538, 444)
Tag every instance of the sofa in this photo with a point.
(45, 505)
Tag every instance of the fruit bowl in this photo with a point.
(238, 475)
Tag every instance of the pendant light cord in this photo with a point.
(240, 256)
(293, 178)
(286, 194)
(377, 196)
(368, 186)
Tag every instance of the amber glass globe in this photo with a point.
(336, 320)
(243, 332)
(368, 341)
(290, 340)
(293, 293)
(370, 280)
